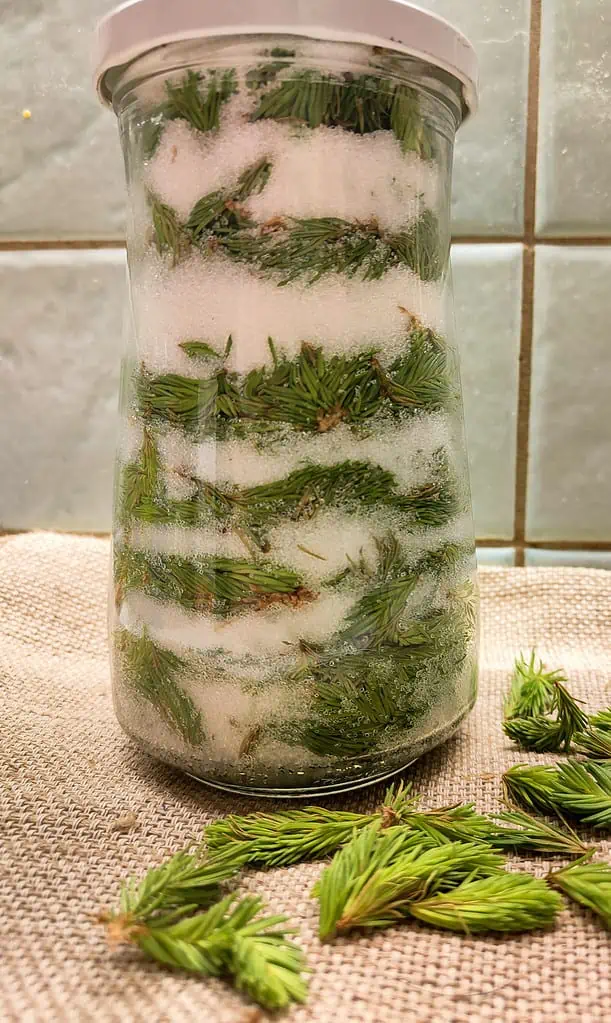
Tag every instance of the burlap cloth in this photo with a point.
(69, 777)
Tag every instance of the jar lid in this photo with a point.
(138, 26)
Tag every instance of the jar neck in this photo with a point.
(143, 80)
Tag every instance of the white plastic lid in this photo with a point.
(141, 25)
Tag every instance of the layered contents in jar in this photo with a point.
(293, 555)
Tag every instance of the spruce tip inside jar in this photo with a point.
(294, 604)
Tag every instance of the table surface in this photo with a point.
(69, 775)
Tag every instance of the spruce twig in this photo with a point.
(509, 903)
(358, 103)
(534, 697)
(210, 583)
(230, 939)
(186, 882)
(587, 883)
(595, 742)
(314, 392)
(584, 790)
(535, 834)
(372, 880)
(533, 787)
(154, 674)
(532, 689)
(292, 836)
(601, 720)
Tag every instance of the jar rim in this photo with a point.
(138, 26)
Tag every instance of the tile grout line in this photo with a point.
(77, 244)
(528, 283)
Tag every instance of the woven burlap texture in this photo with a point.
(71, 781)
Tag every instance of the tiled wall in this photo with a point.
(532, 266)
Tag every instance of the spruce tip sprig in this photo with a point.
(506, 903)
(528, 832)
(587, 883)
(531, 786)
(595, 743)
(372, 880)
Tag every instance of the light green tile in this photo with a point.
(505, 556)
(489, 169)
(60, 346)
(488, 286)
(61, 172)
(569, 478)
(569, 559)
(574, 185)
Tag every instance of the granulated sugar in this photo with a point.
(212, 299)
(404, 449)
(364, 178)
(258, 634)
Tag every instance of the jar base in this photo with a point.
(333, 789)
(400, 760)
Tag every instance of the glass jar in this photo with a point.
(294, 602)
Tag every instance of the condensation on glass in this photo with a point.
(294, 602)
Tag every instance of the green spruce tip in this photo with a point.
(153, 674)
(197, 99)
(231, 940)
(503, 904)
(601, 720)
(588, 884)
(536, 835)
(373, 880)
(540, 713)
(313, 392)
(293, 836)
(210, 583)
(188, 881)
(584, 791)
(531, 787)
(595, 742)
(356, 103)
(581, 790)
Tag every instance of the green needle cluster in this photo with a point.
(504, 904)
(292, 836)
(357, 103)
(198, 99)
(154, 674)
(314, 392)
(207, 583)
(161, 915)
(540, 713)
(582, 790)
(587, 883)
(378, 880)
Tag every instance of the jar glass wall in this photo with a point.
(294, 603)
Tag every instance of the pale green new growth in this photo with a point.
(582, 790)
(595, 743)
(537, 835)
(531, 786)
(535, 696)
(372, 881)
(230, 939)
(587, 883)
(159, 915)
(509, 903)
(602, 720)
(291, 836)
